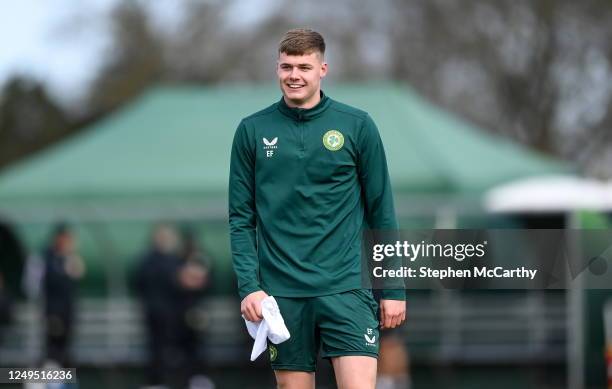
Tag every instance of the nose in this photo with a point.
(294, 73)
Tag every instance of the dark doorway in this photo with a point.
(12, 259)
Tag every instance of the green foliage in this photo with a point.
(29, 119)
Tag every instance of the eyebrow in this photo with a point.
(299, 65)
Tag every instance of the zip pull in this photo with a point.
(302, 143)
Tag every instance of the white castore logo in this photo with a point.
(270, 142)
(270, 146)
(370, 339)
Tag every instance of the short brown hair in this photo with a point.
(300, 41)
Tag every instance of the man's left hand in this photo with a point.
(392, 313)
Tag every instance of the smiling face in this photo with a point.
(300, 78)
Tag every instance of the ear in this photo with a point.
(323, 69)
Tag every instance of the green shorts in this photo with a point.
(339, 324)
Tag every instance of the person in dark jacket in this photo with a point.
(157, 285)
(63, 267)
(193, 280)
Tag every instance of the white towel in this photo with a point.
(271, 327)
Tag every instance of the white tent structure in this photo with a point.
(550, 194)
(558, 194)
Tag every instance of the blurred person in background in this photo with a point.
(169, 281)
(63, 267)
(156, 283)
(193, 280)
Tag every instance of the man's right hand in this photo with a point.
(251, 306)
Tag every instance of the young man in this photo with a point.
(305, 174)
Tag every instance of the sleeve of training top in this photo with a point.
(376, 189)
(242, 218)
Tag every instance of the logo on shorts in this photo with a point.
(370, 337)
(273, 353)
(270, 146)
(333, 140)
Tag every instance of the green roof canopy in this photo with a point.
(174, 143)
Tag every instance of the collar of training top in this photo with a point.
(304, 113)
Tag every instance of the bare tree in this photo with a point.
(516, 68)
(135, 62)
(539, 72)
(29, 119)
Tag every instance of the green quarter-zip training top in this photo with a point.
(303, 185)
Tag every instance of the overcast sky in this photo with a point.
(63, 42)
(54, 41)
